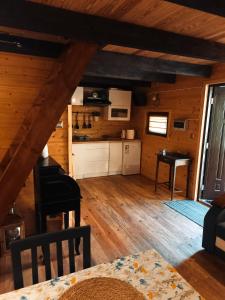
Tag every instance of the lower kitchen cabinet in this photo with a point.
(90, 160)
(93, 159)
(115, 158)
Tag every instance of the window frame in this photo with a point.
(159, 114)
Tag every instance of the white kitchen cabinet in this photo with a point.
(90, 159)
(120, 97)
(78, 96)
(93, 159)
(120, 107)
(115, 158)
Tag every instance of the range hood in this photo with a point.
(96, 98)
(96, 102)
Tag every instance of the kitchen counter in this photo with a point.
(102, 140)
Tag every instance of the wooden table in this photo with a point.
(174, 160)
(146, 271)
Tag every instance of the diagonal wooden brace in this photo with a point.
(41, 121)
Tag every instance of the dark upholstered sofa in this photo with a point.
(214, 231)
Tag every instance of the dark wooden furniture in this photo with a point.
(13, 228)
(213, 238)
(174, 160)
(55, 192)
(44, 240)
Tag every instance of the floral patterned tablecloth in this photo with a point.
(146, 271)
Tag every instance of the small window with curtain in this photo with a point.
(157, 123)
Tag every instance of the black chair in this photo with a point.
(44, 240)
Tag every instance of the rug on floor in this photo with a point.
(192, 210)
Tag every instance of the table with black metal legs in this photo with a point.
(174, 160)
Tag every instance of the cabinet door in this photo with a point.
(97, 159)
(78, 96)
(120, 97)
(115, 158)
(78, 160)
(90, 159)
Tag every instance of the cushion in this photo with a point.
(219, 201)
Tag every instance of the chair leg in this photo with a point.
(66, 220)
(77, 224)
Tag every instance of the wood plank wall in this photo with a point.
(183, 100)
(101, 127)
(21, 77)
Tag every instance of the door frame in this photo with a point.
(204, 136)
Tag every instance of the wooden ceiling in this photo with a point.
(169, 38)
(152, 13)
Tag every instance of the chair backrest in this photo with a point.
(44, 241)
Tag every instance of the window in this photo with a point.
(157, 123)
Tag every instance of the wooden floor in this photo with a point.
(126, 216)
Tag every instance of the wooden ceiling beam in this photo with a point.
(90, 81)
(22, 45)
(42, 119)
(116, 62)
(215, 7)
(56, 21)
(114, 71)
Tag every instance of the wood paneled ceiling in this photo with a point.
(152, 13)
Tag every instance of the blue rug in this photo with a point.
(190, 209)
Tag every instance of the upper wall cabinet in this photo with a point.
(120, 107)
(78, 96)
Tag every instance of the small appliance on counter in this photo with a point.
(123, 134)
(130, 134)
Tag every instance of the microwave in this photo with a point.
(118, 113)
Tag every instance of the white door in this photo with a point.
(131, 157)
(115, 158)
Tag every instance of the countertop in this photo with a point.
(103, 140)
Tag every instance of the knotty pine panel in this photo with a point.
(153, 13)
(101, 127)
(150, 13)
(58, 143)
(183, 100)
(21, 78)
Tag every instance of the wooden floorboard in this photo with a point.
(126, 216)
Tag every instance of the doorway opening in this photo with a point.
(212, 169)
